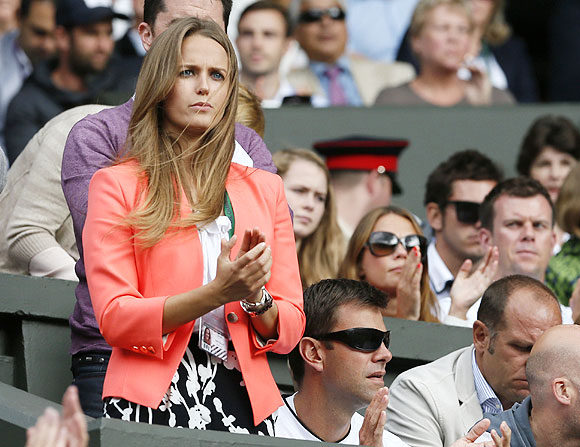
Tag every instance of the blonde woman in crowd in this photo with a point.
(190, 257)
(440, 38)
(388, 250)
(319, 240)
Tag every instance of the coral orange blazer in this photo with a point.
(129, 285)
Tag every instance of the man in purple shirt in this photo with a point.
(96, 142)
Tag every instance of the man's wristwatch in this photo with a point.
(260, 307)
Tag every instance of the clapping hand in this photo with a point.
(371, 432)
(54, 430)
(409, 287)
(469, 440)
(469, 286)
(244, 277)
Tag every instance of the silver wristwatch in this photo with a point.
(260, 307)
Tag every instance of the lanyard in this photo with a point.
(229, 212)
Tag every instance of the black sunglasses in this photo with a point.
(363, 339)
(384, 243)
(467, 212)
(315, 14)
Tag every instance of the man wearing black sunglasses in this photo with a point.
(338, 368)
(339, 77)
(453, 194)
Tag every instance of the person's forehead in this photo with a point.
(203, 9)
(263, 19)
(353, 315)
(311, 4)
(536, 208)
(470, 190)
(41, 12)
(526, 316)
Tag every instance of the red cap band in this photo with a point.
(362, 162)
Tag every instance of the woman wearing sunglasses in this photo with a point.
(388, 250)
(187, 290)
(319, 241)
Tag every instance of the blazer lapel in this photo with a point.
(469, 403)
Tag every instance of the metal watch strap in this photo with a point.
(260, 307)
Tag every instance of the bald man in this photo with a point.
(553, 372)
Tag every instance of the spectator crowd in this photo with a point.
(136, 167)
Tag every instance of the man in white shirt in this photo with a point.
(453, 194)
(339, 366)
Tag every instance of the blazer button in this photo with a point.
(151, 349)
(232, 317)
(144, 349)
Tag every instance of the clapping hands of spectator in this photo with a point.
(409, 287)
(66, 430)
(468, 286)
(371, 432)
(469, 440)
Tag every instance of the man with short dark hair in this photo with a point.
(97, 141)
(78, 76)
(518, 216)
(453, 193)
(32, 43)
(344, 326)
(342, 79)
(433, 404)
(263, 38)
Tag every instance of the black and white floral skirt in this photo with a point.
(206, 393)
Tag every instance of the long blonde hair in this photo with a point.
(320, 252)
(175, 163)
(351, 266)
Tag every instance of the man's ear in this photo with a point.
(312, 353)
(481, 336)
(434, 216)
(564, 390)
(485, 238)
(146, 35)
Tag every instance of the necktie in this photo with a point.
(336, 93)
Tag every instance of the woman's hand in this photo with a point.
(478, 88)
(409, 287)
(469, 286)
(244, 277)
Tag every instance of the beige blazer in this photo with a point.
(370, 78)
(435, 404)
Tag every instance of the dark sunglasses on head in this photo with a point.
(315, 15)
(384, 243)
(363, 339)
(467, 212)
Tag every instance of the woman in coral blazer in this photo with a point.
(156, 273)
